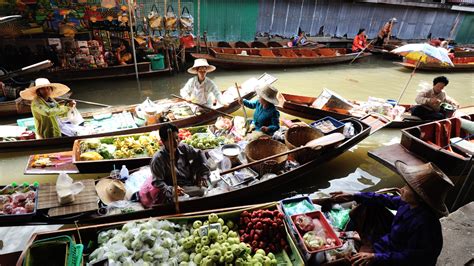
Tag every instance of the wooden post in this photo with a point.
(172, 168)
(199, 26)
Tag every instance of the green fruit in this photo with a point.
(232, 234)
(225, 229)
(197, 224)
(205, 240)
(221, 221)
(213, 218)
(260, 251)
(213, 233)
(230, 224)
(197, 259)
(271, 255)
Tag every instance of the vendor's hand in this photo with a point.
(340, 197)
(180, 191)
(363, 258)
(435, 101)
(264, 129)
(71, 103)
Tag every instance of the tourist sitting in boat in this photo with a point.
(384, 33)
(430, 100)
(200, 89)
(413, 236)
(360, 41)
(266, 117)
(301, 40)
(3, 96)
(44, 107)
(190, 167)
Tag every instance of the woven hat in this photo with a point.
(58, 89)
(429, 182)
(110, 190)
(201, 63)
(269, 93)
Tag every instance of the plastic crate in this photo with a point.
(339, 125)
(288, 214)
(8, 218)
(73, 251)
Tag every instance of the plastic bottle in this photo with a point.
(124, 173)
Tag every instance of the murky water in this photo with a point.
(370, 77)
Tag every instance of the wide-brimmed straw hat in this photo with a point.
(110, 190)
(429, 182)
(201, 63)
(268, 92)
(58, 89)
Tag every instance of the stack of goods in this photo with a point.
(379, 106)
(17, 200)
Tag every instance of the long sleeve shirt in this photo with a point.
(415, 237)
(269, 117)
(359, 43)
(424, 98)
(201, 93)
(45, 115)
(190, 167)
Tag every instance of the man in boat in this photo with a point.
(360, 41)
(190, 168)
(384, 33)
(46, 111)
(430, 100)
(200, 89)
(413, 236)
(266, 117)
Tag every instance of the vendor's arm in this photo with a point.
(38, 107)
(250, 104)
(452, 101)
(423, 97)
(371, 198)
(274, 122)
(215, 91)
(187, 90)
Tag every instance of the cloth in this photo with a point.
(415, 237)
(269, 117)
(426, 113)
(359, 43)
(424, 98)
(46, 115)
(149, 194)
(190, 169)
(201, 93)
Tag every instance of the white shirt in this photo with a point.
(201, 93)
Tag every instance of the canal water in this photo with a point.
(371, 76)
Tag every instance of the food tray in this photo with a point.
(233, 181)
(327, 228)
(283, 203)
(20, 217)
(339, 125)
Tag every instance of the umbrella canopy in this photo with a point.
(424, 53)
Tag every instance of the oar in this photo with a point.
(86, 102)
(357, 56)
(315, 144)
(243, 106)
(173, 170)
(203, 106)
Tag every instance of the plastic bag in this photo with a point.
(348, 131)
(339, 217)
(67, 188)
(74, 116)
(171, 20)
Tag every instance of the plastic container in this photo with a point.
(339, 125)
(124, 172)
(392, 102)
(54, 246)
(305, 205)
(29, 123)
(157, 61)
(8, 218)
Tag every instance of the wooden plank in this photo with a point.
(62, 163)
(48, 197)
(72, 209)
(389, 154)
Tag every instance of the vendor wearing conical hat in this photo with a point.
(266, 117)
(414, 235)
(200, 89)
(44, 108)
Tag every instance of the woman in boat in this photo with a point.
(430, 100)
(413, 236)
(384, 33)
(44, 107)
(360, 41)
(266, 117)
(190, 168)
(200, 89)
(123, 54)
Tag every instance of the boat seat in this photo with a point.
(253, 52)
(257, 44)
(307, 53)
(287, 53)
(224, 44)
(241, 44)
(326, 52)
(409, 117)
(266, 53)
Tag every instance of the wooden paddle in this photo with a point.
(86, 102)
(203, 106)
(243, 106)
(314, 144)
(172, 168)
(357, 56)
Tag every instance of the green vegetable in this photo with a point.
(221, 238)
(205, 251)
(267, 261)
(215, 254)
(148, 256)
(183, 256)
(221, 221)
(229, 256)
(198, 248)
(260, 251)
(259, 257)
(104, 152)
(205, 240)
(271, 255)
(232, 234)
(225, 229)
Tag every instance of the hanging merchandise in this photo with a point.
(171, 20)
(186, 21)
(123, 17)
(107, 3)
(187, 41)
(155, 20)
(140, 39)
(67, 29)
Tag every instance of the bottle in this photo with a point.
(124, 172)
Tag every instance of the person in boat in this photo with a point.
(45, 109)
(266, 117)
(384, 34)
(190, 167)
(413, 236)
(430, 100)
(360, 41)
(123, 54)
(301, 39)
(200, 89)
(3, 95)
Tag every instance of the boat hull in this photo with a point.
(436, 67)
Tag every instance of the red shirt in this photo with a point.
(359, 43)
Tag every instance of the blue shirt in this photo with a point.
(415, 237)
(269, 117)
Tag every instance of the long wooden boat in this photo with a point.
(276, 57)
(14, 107)
(431, 142)
(205, 117)
(301, 106)
(460, 64)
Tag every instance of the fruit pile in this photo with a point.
(17, 199)
(206, 141)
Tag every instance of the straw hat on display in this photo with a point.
(201, 63)
(429, 183)
(58, 89)
(269, 93)
(110, 190)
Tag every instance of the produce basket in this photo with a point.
(9, 218)
(298, 136)
(62, 250)
(262, 148)
(339, 126)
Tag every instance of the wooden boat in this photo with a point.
(301, 106)
(14, 107)
(276, 57)
(205, 117)
(461, 63)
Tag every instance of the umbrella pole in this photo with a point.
(408, 82)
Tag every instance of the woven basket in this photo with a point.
(298, 136)
(262, 148)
